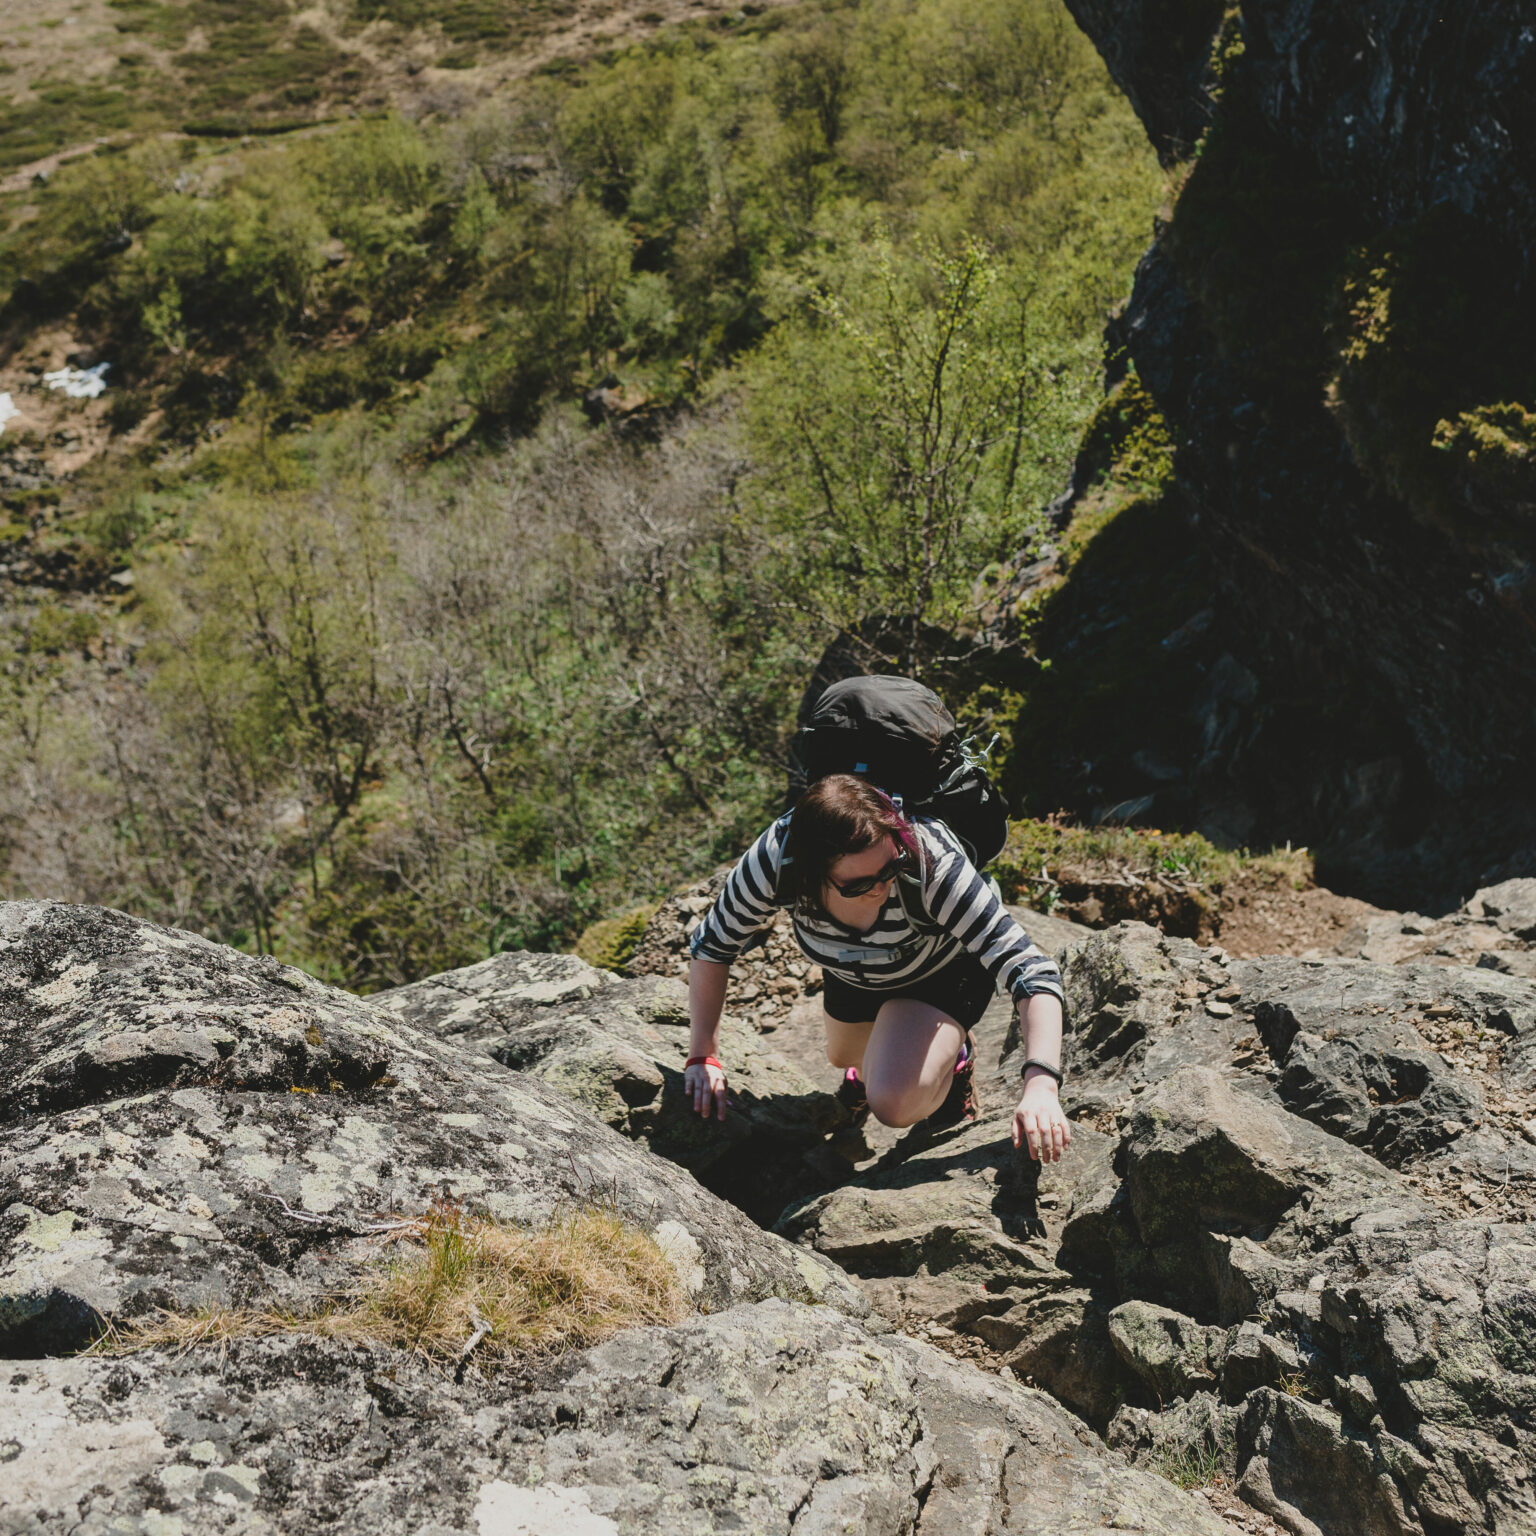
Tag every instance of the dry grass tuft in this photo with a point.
(467, 1283)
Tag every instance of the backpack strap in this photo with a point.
(909, 888)
(779, 898)
(908, 893)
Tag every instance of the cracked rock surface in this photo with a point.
(174, 1176)
(1292, 1246)
(137, 1174)
(617, 1047)
(769, 1417)
(1495, 930)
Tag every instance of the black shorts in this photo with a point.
(963, 989)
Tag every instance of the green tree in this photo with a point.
(907, 433)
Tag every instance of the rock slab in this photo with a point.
(769, 1418)
(183, 1131)
(617, 1047)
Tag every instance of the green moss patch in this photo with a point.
(610, 943)
(1432, 368)
(1128, 441)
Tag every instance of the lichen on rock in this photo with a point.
(204, 1179)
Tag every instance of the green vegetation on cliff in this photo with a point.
(1415, 335)
(1430, 374)
(1354, 398)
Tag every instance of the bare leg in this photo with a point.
(846, 1042)
(909, 1061)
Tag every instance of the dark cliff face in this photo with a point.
(1338, 324)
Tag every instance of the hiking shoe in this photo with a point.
(852, 1094)
(960, 1103)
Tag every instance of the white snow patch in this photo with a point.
(503, 1509)
(79, 383)
(8, 409)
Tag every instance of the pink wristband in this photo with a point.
(703, 1061)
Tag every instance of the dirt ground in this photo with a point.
(54, 36)
(66, 433)
(1262, 917)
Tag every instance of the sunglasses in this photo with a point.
(866, 883)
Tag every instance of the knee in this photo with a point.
(895, 1107)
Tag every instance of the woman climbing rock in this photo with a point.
(913, 943)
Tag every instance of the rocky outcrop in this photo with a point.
(617, 1048)
(1496, 929)
(1262, 1259)
(187, 1126)
(1159, 55)
(1324, 629)
(1291, 1248)
(764, 1418)
(477, 1006)
(960, 1237)
(1352, 1322)
(1408, 106)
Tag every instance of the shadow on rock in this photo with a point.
(617, 1048)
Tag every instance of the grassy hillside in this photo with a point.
(473, 491)
(73, 72)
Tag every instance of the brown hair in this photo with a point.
(836, 815)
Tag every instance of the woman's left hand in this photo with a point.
(705, 1085)
(1039, 1120)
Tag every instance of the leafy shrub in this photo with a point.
(127, 408)
(907, 435)
(610, 943)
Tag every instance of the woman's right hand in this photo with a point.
(705, 1085)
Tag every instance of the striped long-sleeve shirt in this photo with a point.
(919, 930)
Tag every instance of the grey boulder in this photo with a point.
(1171, 1355)
(478, 1005)
(766, 1418)
(180, 1135)
(1143, 1004)
(1494, 930)
(617, 1047)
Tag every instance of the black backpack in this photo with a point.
(897, 734)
